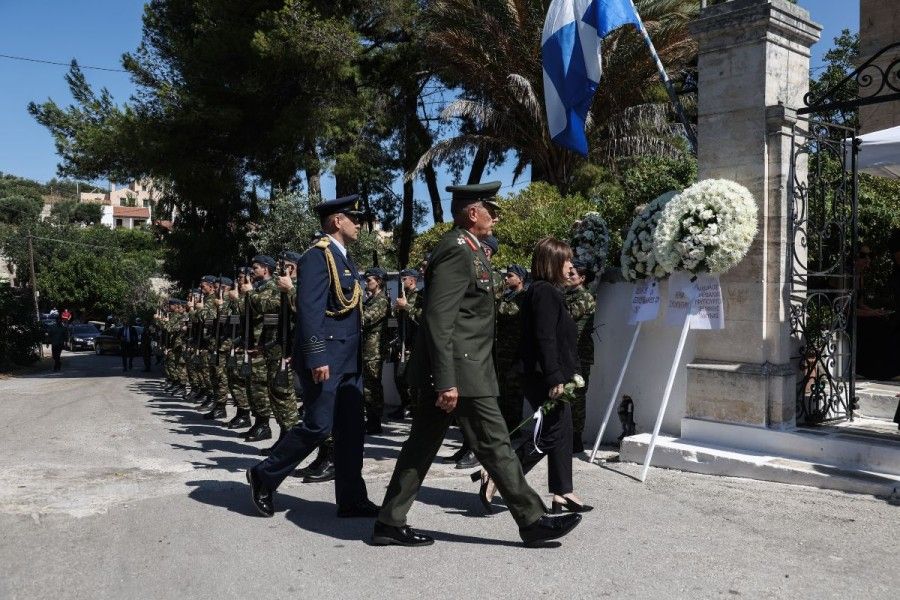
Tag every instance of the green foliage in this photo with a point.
(537, 211)
(20, 332)
(290, 224)
(879, 214)
(19, 210)
(70, 212)
(839, 61)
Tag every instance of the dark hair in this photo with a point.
(550, 254)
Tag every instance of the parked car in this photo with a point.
(82, 336)
(108, 341)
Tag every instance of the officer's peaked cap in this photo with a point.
(264, 260)
(463, 195)
(348, 205)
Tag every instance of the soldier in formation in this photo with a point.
(582, 305)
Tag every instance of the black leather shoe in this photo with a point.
(262, 498)
(468, 461)
(570, 505)
(386, 535)
(259, 432)
(363, 509)
(239, 421)
(549, 527)
(218, 412)
(206, 405)
(326, 473)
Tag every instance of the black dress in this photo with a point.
(549, 358)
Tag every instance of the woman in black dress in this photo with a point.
(549, 361)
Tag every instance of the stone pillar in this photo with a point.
(753, 71)
(879, 26)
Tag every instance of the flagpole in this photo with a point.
(688, 132)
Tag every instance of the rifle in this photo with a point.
(234, 321)
(284, 314)
(246, 370)
(215, 350)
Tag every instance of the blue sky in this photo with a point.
(98, 32)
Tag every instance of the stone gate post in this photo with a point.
(753, 73)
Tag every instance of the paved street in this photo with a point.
(111, 489)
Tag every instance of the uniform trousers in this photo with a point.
(485, 431)
(333, 407)
(555, 440)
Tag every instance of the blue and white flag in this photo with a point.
(571, 52)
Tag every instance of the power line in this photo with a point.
(61, 64)
(46, 239)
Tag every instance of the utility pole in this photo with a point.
(34, 292)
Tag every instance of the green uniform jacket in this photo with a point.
(581, 304)
(376, 311)
(455, 341)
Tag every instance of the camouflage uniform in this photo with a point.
(191, 364)
(415, 304)
(216, 385)
(509, 338)
(376, 310)
(238, 385)
(258, 384)
(176, 328)
(280, 400)
(581, 305)
(228, 375)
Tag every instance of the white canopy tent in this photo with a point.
(879, 153)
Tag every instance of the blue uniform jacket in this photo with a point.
(322, 340)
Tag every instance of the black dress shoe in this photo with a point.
(316, 465)
(468, 461)
(239, 421)
(363, 509)
(326, 473)
(549, 527)
(259, 432)
(218, 412)
(262, 498)
(386, 535)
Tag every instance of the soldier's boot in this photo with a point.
(240, 420)
(325, 472)
(268, 451)
(373, 421)
(260, 431)
(207, 404)
(316, 465)
(399, 414)
(217, 412)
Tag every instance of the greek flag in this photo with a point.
(570, 47)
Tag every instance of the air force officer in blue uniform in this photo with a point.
(327, 357)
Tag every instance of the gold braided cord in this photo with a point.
(346, 304)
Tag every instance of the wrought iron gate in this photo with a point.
(823, 209)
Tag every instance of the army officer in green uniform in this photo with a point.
(453, 366)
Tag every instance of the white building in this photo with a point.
(126, 207)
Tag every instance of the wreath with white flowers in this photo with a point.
(707, 228)
(637, 259)
(590, 242)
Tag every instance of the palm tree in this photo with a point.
(491, 51)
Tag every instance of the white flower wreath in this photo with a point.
(707, 228)
(590, 242)
(638, 260)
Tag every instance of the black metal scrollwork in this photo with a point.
(871, 79)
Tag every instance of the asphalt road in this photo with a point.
(111, 489)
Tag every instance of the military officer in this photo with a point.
(453, 366)
(376, 310)
(509, 337)
(408, 307)
(581, 305)
(328, 360)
